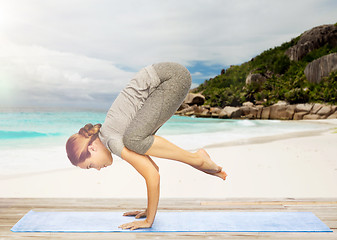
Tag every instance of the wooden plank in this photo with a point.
(287, 203)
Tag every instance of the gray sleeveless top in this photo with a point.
(125, 106)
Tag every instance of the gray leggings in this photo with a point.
(175, 82)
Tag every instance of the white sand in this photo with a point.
(297, 167)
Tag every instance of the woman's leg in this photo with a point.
(160, 105)
(200, 160)
(157, 109)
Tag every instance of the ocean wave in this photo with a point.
(24, 134)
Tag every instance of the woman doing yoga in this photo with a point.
(144, 105)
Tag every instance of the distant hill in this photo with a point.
(299, 71)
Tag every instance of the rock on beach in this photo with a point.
(280, 111)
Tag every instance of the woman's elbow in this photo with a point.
(156, 176)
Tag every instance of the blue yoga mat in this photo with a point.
(173, 222)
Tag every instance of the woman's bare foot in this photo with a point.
(210, 167)
(222, 174)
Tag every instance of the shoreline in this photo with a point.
(297, 165)
(330, 123)
(267, 139)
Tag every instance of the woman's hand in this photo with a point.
(135, 225)
(137, 214)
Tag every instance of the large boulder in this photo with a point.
(249, 112)
(259, 111)
(326, 110)
(230, 112)
(333, 116)
(311, 117)
(316, 108)
(321, 67)
(183, 106)
(215, 111)
(313, 39)
(194, 98)
(255, 78)
(301, 110)
(202, 111)
(303, 107)
(248, 104)
(282, 111)
(299, 115)
(187, 111)
(265, 113)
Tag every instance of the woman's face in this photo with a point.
(100, 156)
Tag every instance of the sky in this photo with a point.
(82, 53)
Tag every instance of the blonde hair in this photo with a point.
(77, 144)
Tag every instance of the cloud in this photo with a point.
(39, 75)
(196, 74)
(80, 50)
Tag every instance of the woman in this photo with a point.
(147, 102)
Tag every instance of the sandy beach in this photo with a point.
(301, 165)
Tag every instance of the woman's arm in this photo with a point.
(146, 167)
(141, 213)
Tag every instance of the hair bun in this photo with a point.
(89, 130)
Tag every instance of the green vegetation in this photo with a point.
(285, 80)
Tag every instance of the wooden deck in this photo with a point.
(12, 209)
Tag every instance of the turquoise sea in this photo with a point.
(27, 128)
